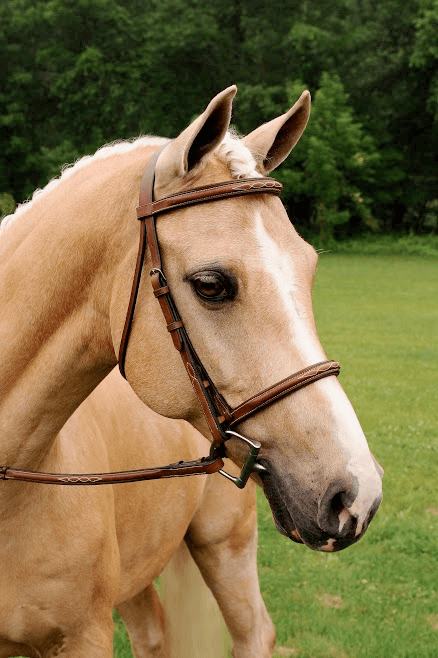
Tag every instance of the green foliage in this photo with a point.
(334, 164)
(7, 204)
(79, 73)
(255, 104)
(387, 245)
(424, 55)
(65, 76)
(122, 645)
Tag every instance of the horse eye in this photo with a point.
(211, 286)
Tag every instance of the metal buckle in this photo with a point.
(250, 462)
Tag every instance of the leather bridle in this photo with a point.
(221, 418)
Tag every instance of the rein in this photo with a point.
(220, 417)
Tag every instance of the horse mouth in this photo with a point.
(304, 532)
(295, 536)
(291, 533)
(282, 518)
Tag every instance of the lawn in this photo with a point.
(377, 315)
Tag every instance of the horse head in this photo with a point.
(241, 278)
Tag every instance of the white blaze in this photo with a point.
(347, 429)
(279, 267)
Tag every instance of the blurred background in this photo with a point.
(76, 74)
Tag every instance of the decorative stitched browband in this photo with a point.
(220, 417)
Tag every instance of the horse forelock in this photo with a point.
(231, 152)
(237, 157)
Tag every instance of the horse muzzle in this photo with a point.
(323, 524)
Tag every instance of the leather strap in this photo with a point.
(150, 174)
(219, 416)
(214, 407)
(215, 192)
(285, 387)
(198, 377)
(202, 466)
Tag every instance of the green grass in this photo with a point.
(378, 317)
(122, 646)
(385, 245)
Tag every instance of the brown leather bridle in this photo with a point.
(220, 417)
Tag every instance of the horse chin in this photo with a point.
(291, 533)
(282, 518)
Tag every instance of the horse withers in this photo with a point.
(241, 278)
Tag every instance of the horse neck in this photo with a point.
(58, 267)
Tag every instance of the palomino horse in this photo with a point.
(141, 525)
(241, 278)
(67, 549)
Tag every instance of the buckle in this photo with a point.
(250, 464)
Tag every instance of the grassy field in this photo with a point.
(378, 316)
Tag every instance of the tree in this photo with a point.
(424, 55)
(79, 73)
(331, 171)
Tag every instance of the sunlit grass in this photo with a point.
(378, 317)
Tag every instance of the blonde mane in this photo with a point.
(231, 152)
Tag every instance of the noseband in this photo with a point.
(221, 418)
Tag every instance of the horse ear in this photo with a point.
(272, 142)
(199, 138)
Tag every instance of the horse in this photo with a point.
(130, 533)
(241, 279)
(144, 524)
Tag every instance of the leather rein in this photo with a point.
(220, 417)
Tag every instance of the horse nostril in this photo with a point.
(339, 514)
(336, 505)
(333, 514)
